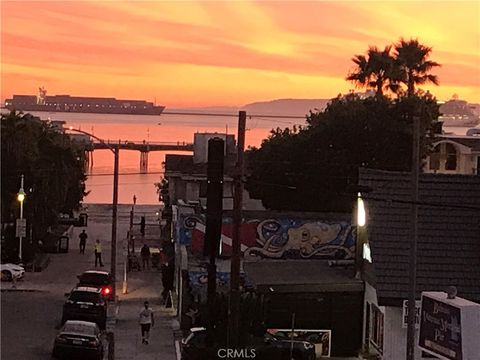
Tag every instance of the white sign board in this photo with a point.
(449, 328)
(21, 229)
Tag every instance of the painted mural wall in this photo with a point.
(276, 238)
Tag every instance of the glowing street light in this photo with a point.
(21, 195)
(361, 216)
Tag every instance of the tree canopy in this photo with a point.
(312, 168)
(53, 167)
(315, 168)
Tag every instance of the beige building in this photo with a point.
(454, 154)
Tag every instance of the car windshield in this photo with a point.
(94, 279)
(84, 296)
(79, 328)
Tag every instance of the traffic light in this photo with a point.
(213, 230)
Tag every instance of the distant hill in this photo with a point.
(286, 106)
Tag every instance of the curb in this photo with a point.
(177, 350)
(22, 290)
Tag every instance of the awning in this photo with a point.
(301, 276)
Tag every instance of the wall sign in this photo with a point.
(440, 329)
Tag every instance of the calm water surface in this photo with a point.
(164, 128)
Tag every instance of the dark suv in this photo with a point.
(99, 279)
(268, 348)
(86, 303)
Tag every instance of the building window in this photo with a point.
(435, 158)
(376, 331)
(451, 157)
(367, 323)
(443, 157)
(478, 165)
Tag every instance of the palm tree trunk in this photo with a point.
(411, 84)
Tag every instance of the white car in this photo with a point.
(11, 271)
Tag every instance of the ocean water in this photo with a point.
(163, 128)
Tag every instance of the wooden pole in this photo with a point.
(234, 304)
(413, 241)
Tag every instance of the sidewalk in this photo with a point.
(142, 286)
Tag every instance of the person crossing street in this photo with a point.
(83, 241)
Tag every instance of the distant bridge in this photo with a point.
(143, 146)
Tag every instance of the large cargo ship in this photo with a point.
(80, 104)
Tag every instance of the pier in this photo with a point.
(144, 147)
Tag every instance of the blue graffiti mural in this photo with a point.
(293, 238)
(299, 238)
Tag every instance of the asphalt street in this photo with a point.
(29, 321)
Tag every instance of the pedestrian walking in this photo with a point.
(145, 252)
(83, 241)
(98, 253)
(146, 322)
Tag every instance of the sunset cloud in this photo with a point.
(224, 52)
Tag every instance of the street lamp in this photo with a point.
(113, 262)
(21, 226)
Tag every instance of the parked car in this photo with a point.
(86, 303)
(194, 347)
(78, 338)
(99, 279)
(11, 271)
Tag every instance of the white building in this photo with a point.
(455, 154)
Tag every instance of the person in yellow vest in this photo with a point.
(98, 253)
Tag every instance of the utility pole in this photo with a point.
(216, 148)
(113, 256)
(21, 224)
(113, 261)
(234, 305)
(414, 234)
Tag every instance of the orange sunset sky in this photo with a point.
(225, 52)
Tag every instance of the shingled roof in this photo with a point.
(448, 233)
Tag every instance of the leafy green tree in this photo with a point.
(312, 169)
(53, 167)
(412, 61)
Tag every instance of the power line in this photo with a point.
(234, 115)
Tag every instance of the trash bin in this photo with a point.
(63, 244)
(83, 219)
(155, 254)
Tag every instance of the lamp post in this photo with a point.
(113, 259)
(21, 225)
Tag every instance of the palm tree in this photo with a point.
(412, 61)
(376, 71)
